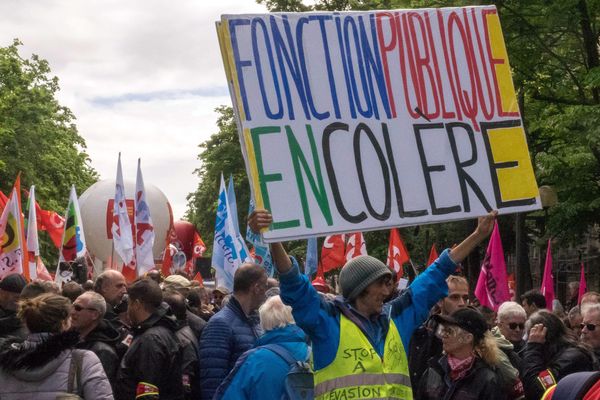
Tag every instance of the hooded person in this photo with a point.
(352, 335)
(45, 365)
(10, 291)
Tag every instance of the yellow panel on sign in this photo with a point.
(509, 145)
(253, 169)
(503, 75)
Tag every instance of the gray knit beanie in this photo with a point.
(359, 273)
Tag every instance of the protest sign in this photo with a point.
(355, 121)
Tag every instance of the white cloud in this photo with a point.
(142, 77)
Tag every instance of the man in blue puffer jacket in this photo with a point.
(262, 374)
(233, 330)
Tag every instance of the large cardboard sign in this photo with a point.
(357, 121)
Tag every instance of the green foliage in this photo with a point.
(38, 136)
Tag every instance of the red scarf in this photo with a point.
(459, 368)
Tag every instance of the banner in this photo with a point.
(356, 121)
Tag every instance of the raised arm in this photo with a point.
(485, 225)
(261, 219)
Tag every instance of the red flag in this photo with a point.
(332, 253)
(42, 271)
(129, 273)
(492, 285)
(356, 246)
(582, 285)
(397, 253)
(52, 223)
(3, 201)
(512, 285)
(198, 278)
(319, 282)
(433, 255)
(198, 247)
(548, 280)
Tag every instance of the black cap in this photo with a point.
(13, 283)
(466, 318)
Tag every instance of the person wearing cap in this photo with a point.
(10, 293)
(358, 342)
(218, 294)
(183, 285)
(464, 371)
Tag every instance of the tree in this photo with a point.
(38, 136)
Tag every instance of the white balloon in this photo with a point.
(97, 216)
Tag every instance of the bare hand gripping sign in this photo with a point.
(365, 120)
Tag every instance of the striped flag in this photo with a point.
(121, 225)
(13, 248)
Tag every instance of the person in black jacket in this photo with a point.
(551, 354)
(97, 335)
(465, 370)
(10, 292)
(189, 343)
(151, 368)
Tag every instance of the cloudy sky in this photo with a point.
(142, 77)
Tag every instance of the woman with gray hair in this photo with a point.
(260, 373)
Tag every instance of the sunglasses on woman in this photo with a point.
(590, 327)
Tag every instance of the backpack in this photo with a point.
(299, 383)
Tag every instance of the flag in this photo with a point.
(260, 252)
(199, 247)
(3, 201)
(492, 285)
(319, 282)
(42, 271)
(333, 252)
(144, 230)
(582, 284)
(397, 253)
(512, 286)
(31, 226)
(548, 280)
(52, 223)
(121, 225)
(13, 249)
(433, 255)
(198, 278)
(228, 252)
(232, 201)
(73, 240)
(312, 257)
(355, 246)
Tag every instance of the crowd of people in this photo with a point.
(171, 338)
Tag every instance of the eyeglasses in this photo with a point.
(590, 327)
(448, 331)
(514, 325)
(78, 308)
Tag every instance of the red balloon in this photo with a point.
(184, 231)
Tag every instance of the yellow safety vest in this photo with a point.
(357, 372)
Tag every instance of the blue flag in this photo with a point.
(229, 250)
(262, 254)
(312, 257)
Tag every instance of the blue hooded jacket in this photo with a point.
(262, 375)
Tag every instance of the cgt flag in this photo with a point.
(121, 225)
(144, 230)
(13, 249)
(228, 252)
(492, 285)
(355, 246)
(548, 280)
(333, 254)
(397, 253)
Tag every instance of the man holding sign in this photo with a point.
(359, 342)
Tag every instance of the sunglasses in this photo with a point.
(590, 327)
(514, 325)
(78, 308)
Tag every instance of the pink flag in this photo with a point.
(492, 285)
(548, 281)
(582, 285)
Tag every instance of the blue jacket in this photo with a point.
(262, 375)
(320, 319)
(227, 335)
